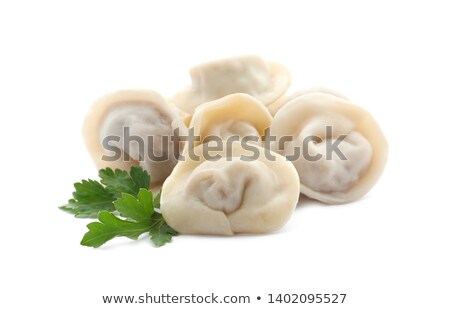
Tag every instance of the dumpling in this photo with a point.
(242, 192)
(266, 81)
(133, 127)
(275, 106)
(237, 115)
(337, 147)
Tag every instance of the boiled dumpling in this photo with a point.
(341, 150)
(275, 106)
(266, 81)
(241, 192)
(238, 115)
(142, 115)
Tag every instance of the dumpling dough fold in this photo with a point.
(230, 194)
(145, 115)
(275, 106)
(238, 115)
(266, 81)
(324, 173)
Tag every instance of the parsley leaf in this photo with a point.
(109, 227)
(140, 217)
(118, 181)
(123, 205)
(157, 201)
(140, 209)
(89, 198)
(160, 232)
(140, 177)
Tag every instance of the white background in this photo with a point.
(389, 250)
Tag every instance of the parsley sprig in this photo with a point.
(123, 205)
